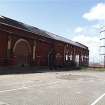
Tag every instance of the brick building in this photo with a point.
(24, 44)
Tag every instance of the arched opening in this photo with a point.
(22, 52)
(66, 53)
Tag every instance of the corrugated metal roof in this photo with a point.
(38, 31)
(60, 38)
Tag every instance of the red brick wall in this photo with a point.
(42, 46)
(59, 48)
(3, 44)
(42, 53)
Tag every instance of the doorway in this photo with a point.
(22, 51)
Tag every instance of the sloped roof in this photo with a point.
(38, 31)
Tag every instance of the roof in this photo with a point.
(38, 31)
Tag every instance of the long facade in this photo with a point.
(24, 44)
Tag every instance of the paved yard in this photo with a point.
(53, 88)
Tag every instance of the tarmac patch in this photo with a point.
(75, 77)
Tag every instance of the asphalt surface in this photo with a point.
(53, 88)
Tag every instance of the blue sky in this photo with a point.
(73, 19)
(58, 16)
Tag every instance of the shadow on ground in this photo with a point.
(27, 70)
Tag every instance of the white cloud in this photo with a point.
(90, 30)
(96, 13)
(97, 26)
(92, 43)
(78, 30)
(89, 35)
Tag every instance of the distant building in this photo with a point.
(24, 44)
(102, 47)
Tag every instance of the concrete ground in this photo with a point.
(53, 88)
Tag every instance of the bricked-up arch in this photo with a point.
(22, 51)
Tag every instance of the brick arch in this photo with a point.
(22, 51)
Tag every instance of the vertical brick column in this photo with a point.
(80, 57)
(74, 53)
(34, 51)
(9, 47)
